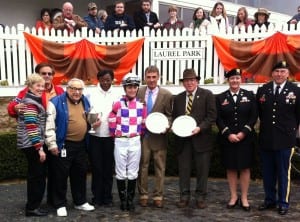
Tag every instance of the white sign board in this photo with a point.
(177, 53)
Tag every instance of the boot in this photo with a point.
(121, 184)
(130, 194)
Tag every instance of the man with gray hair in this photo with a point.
(68, 20)
(66, 130)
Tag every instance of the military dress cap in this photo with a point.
(189, 74)
(280, 65)
(92, 5)
(233, 72)
(262, 11)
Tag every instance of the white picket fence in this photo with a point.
(162, 48)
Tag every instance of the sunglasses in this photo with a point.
(47, 73)
(75, 89)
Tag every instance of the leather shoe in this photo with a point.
(282, 210)
(36, 213)
(144, 202)
(158, 203)
(231, 206)
(182, 203)
(245, 208)
(265, 206)
(201, 204)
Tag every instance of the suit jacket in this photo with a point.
(279, 118)
(204, 112)
(140, 19)
(163, 104)
(235, 117)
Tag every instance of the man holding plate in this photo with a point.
(158, 101)
(199, 104)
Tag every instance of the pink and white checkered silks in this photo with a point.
(127, 118)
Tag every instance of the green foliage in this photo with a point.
(13, 163)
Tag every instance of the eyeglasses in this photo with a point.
(75, 89)
(47, 73)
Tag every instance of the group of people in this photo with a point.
(98, 20)
(53, 132)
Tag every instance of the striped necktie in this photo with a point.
(189, 104)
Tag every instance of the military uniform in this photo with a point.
(235, 117)
(279, 117)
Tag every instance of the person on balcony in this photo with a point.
(102, 14)
(119, 20)
(237, 114)
(92, 19)
(146, 17)
(159, 100)
(45, 21)
(199, 19)
(173, 21)
(242, 19)
(218, 16)
(67, 20)
(199, 104)
(296, 18)
(261, 18)
(30, 139)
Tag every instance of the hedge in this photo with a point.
(13, 164)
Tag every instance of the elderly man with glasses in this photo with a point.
(66, 131)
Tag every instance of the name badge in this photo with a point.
(63, 153)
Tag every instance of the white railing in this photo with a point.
(16, 60)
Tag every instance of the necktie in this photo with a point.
(189, 104)
(149, 102)
(277, 90)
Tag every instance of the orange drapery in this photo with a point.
(256, 58)
(83, 59)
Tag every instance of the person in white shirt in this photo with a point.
(101, 144)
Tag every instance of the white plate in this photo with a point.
(184, 125)
(157, 122)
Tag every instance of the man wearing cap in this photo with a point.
(200, 104)
(261, 18)
(237, 114)
(159, 100)
(279, 112)
(92, 19)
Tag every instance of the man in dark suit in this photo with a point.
(279, 112)
(145, 17)
(154, 144)
(200, 144)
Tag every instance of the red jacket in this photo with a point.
(11, 105)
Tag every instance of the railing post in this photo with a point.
(21, 53)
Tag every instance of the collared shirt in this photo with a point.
(281, 86)
(101, 102)
(154, 94)
(187, 97)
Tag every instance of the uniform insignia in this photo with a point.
(290, 98)
(245, 99)
(225, 102)
(262, 99)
